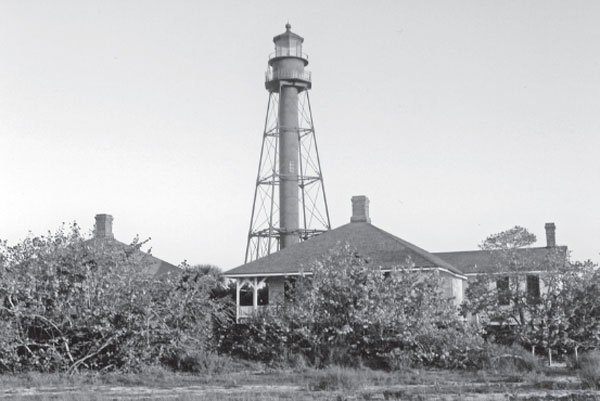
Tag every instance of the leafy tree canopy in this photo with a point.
(516, 237)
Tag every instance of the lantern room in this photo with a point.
(288, 44)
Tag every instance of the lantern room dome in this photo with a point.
(287, 36)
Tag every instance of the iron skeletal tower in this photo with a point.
(289, 201)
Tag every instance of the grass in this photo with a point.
(336, 378)
(255, 382)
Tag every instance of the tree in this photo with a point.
(347, 300)
(207, 270)
(223, 289)
(498, 297)
(581, 300)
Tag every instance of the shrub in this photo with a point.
(398, 359)
(511, 359)
(261, 339)
(202, 362)
(590, 369)
(350, 313)
(455, 345)
(67, 304)
(336, 378)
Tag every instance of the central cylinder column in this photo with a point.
(288, 165)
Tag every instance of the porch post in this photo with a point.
(237, 300)
(255, 294)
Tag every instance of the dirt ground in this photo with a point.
(481, 392)
(306, 386)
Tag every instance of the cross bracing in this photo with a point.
(264, 232)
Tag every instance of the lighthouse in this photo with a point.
(289, 201)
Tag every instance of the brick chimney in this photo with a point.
(103, 227)
(360, 209)
(550, 235)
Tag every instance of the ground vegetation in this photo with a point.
(67, 304)
(255, 381)
(70, 306)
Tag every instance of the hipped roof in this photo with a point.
(152, 265)
(474, 262)
(382, 249)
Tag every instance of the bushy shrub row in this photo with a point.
(348, 312)
(68, 304)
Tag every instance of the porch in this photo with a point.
(253, 294)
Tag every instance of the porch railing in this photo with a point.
(245, 312)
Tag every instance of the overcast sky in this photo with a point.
(458, 119)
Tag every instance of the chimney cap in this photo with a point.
(102, 215)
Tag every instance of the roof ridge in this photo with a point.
(491, 250)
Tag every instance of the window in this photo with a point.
(533, 287)
(502, 286)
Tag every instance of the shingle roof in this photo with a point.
(153, 266)
(484, 262)
(380, 247)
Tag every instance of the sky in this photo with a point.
(458, 119)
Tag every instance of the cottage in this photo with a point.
(266, 277)
(539, 260)
(383, 250)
